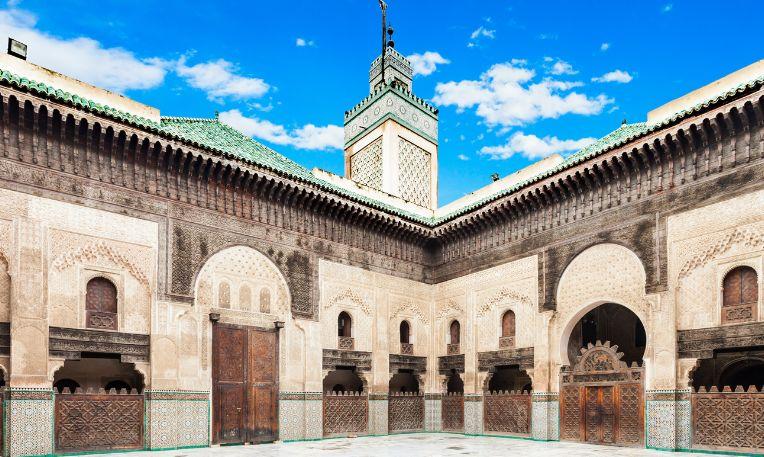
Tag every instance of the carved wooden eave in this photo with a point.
(334, 358)
(713, 125)
(226, 169)
(449, 363)
(70, 343)
(490, 360)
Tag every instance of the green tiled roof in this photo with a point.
(213, 135)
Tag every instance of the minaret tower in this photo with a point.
(391, 136)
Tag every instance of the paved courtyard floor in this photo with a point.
(409, 445)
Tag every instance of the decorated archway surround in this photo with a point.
(603, 273)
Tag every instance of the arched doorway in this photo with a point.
(99, 405)
(602, 390)
(346, 403)
(452, 413)
(507, 402)
(405, 403)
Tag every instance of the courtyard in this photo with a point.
(410, 445)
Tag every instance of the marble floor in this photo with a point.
(408, 445)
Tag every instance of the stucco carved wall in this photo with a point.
(706, 243)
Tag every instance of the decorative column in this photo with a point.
(30, 395)
(432, 412)
(378, 404)
(473, 414)
(668, 419)
(545, 416)
(177, 419)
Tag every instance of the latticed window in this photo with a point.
(224, 295)
(740, 294)
(245, 298)
(366, 165)
(101, 304)
(507, 339)
(265, 300)
(414, 168)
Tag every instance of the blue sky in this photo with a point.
(515, 81)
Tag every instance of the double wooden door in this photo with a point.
(245, 384)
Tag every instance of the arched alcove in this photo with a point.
(609, 322)
(404, 382)
(98, 371)
(343, 380)
(509, 378)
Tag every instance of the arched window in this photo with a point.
(265, 300)
(224, 295)
(101, 304)
(245, 298)
(455, 331)
(405, 332)
(740, 294)
(507, 330)
(344, 325)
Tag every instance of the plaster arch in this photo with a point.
(253, 268)
(602, 273)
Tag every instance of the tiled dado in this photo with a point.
(668, 419)
(545, 416)
(432, 412)
(29, 426)
(378, 414)
(473, 414)
(300, 416)
(177, 419)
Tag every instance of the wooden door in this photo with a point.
(229, 364)
(245, 384)
(263, 386)
(599, 411)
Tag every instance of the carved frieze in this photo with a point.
(70, 343)
(701, 343)
(414, 363)
(334, 358)
(447, 363)
(488, 361)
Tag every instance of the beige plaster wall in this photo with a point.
(48, 252)
(706, 243)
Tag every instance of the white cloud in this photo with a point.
(506, 95)
(83, 58)
(479, 33)
(604, 47)
(561, 67)
(306, 137)
(483, 32)
(615, 76)
(302, 42)
(219, 80)
(426, 63)
(667, 7)
(533, 147)
(463, 157)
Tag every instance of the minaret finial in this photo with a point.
(383, 7)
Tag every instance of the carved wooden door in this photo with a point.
(245, 384)
(599, 410)
(263, 386)
(229, 366)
